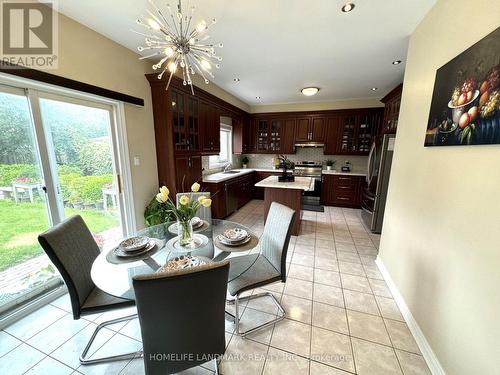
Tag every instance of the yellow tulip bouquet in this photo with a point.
(184, 213)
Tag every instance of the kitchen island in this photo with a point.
(287, 193)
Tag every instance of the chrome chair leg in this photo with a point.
(85, 361)
(216, 366)
(281, 314)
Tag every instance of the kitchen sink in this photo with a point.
(230, 172)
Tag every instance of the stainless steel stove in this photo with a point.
(310, 169)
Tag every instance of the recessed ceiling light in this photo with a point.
(374, 88)
(236, 79)
(309, 91)
(348, 7)
(258, 97)
(396, 62)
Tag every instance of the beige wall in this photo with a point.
(317, 106)
(440, 241)
(87, 56)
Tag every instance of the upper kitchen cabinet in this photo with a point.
(332, 135)
(210, 129)
(317, 129)
(356, 131)
(263, 135)
(243, 136)
(272, 135)
(310, 129)
(288, 136)
(302, 130)
(392, 103)
(185, 122)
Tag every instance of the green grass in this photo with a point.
(21, 223)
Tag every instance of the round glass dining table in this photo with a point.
(115, 277)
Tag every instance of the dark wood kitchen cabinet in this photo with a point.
(332, 135)
(261, 127)
(392, 103)
(341, 190)
(302, 129)
(230, 195)
(185, 122)
(273, 135)
(246, 183)
(210, 120)
(189, 171)
(310, 129)
(357, 131)
(288, 137)
(243, 136)
(186, 127)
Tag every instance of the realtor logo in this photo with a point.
(29, 34)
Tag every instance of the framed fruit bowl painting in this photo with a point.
(465, 107)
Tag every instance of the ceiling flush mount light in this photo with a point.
(309, 91)
(348, 7)
(374, 88)
(172, 37)
(396, 62)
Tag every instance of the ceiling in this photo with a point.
(277, 47)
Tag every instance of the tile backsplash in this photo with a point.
(358, 163)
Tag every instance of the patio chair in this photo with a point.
(72, 249)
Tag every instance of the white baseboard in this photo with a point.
(427, 352)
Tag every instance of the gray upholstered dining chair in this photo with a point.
(72, 249)
(204, 213)
(181, 314)
(270, 265)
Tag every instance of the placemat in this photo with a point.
(254, 241)
(112, 258)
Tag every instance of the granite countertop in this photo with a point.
(221, 176)
(300, 183)
(343, 173)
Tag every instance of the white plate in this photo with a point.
(122, 253)
(234, 235)
(174, 229)
(224, 241)
(134, 243)
(196, 222)
(199, 240)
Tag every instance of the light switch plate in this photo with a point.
(137, 161)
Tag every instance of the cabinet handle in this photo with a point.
(344, 178)
(343, 187)
(342, 199)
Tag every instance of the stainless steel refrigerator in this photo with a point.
(377, 181)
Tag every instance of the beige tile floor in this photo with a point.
(340, 316)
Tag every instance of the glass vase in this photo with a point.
(185, 232)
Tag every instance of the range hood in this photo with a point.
(310, 144)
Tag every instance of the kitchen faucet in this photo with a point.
(227, 166)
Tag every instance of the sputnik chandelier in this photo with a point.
(170, 37)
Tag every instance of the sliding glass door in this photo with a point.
(58, 157)
(24, 212)
(80, 144)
